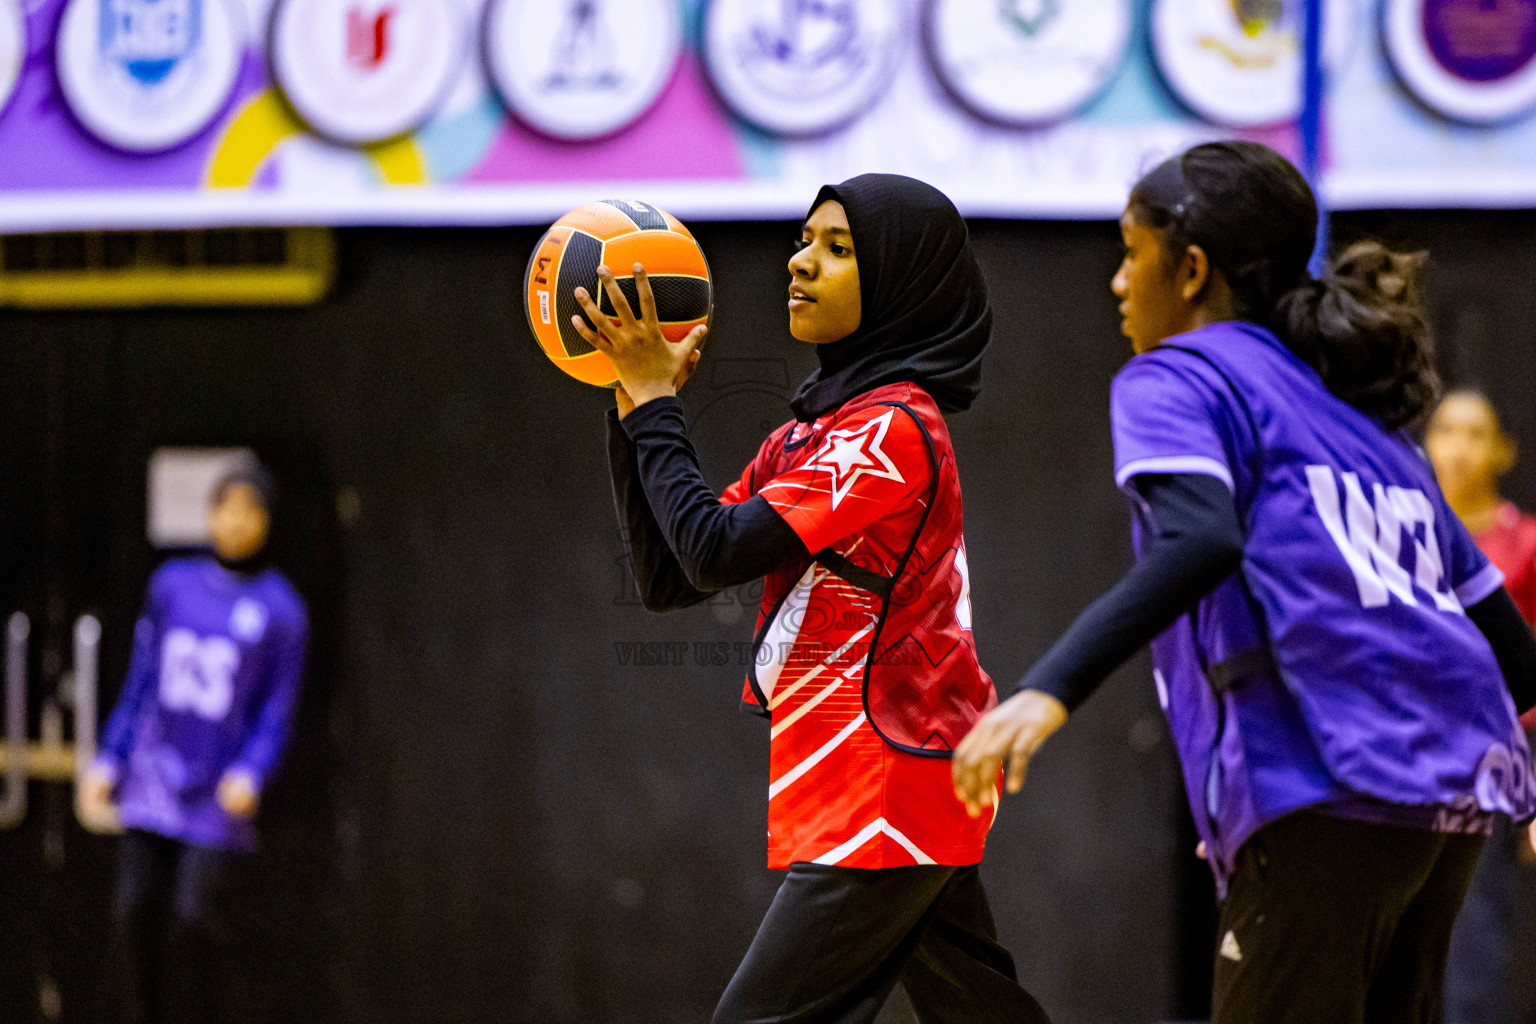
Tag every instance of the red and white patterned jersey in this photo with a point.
(865, 663)
(1510, 544)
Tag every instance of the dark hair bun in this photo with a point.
(1363, 328)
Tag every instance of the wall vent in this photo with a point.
(124, 269)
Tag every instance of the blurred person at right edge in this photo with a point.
(1470, 451)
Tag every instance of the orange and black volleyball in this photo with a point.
(615, 233)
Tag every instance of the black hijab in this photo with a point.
(926, 315)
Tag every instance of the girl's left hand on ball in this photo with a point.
(649, 365)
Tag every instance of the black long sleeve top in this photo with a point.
(684, 544)
(1196, 543)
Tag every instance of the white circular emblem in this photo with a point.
(1239, 62)
(13, 47)
(1470, 60)
(248, 620)
(1027, 62)
(147, 75)
(363, 71)
(581, 69)
(803, 67)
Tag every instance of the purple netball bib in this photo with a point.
(1339, 663)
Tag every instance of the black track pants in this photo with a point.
(1330, 921)
(170, 931)
(837, 940)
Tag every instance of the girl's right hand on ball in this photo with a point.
(649, 366)
(627, 405)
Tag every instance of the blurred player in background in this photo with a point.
(1470, 451)
(1341, 666)
(866, 668)
(204, 714)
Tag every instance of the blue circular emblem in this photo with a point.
(148, 75)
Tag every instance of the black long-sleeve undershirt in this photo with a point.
(685, 545)
(663, 586)
(1498, 618)
(1198, 542)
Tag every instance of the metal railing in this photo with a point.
(51, 759)
(14, 807)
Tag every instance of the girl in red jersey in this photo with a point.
(865, 664)
(1470, 452)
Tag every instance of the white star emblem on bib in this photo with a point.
(847, 455)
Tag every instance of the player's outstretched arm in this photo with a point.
(718, 546)
(1197, 543)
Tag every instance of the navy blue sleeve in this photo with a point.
(716, 545)
(1513, 643)
(140, 685)
(1196, 543)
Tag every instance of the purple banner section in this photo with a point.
(1456, 125)
(686, 136)
(57, 153)
(1481, 40)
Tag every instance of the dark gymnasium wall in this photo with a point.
(516, 796)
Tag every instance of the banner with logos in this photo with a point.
(197, 113)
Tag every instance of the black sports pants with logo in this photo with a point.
(837, 940)
(1331, 921)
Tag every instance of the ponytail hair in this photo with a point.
(1363, 329)
(1362, 326)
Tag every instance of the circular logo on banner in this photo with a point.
(803, 67)
(363, 71)
(13, 47)
(1239, 62)
(581, 69)
(1471, 60)
(1027, 62)
(147, 75)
